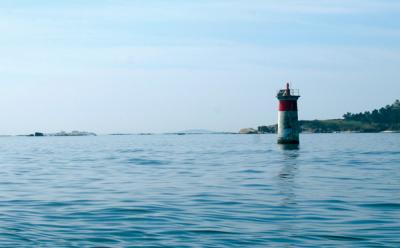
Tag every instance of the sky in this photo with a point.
(163, 66)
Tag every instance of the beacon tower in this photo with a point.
(288, 120)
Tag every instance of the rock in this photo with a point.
(248, 131)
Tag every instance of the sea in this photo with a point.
(212, 190)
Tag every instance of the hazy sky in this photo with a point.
(159, 66)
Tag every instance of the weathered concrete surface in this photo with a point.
(288, 127)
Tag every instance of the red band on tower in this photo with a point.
(288, 105)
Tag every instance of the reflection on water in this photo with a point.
(289, 146)
(286, 188)
(287, 174)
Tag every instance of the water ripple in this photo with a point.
(200, 191)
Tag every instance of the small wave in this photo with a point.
(335, 201)
(83, 160)
(130, 150)
(211, 232)
(394, 206)
(373, 153)
(340, 237)
(102, 240)
(128, 233)
(256, 185)
(123, 211)
(250, 171)
(143, 161)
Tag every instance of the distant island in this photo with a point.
(62, 133)
(385, 119)
(197, 131)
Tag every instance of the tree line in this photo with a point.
(388, 116)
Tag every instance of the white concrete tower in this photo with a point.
(288, 120)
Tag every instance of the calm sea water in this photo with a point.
(336, 190)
